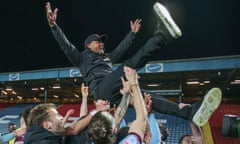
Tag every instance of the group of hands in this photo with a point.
(52, 17)
(104, 105)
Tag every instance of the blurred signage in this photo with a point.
(151, 68)
(74, 73)
(13, 77)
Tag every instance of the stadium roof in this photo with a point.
(187, 78)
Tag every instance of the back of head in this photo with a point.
(25, 114)
(39, 114)
(164, 132)
(186, 139)
(100, 128)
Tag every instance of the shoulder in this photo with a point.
(131, 139)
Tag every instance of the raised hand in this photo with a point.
(102, 105)
(136, 25)
(148, 102)
(126, 87)
(84, 107)
(67, 115)
(131, 75)
(84, 90)
(51, 15)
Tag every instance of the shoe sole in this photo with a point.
(210, 103)
(167, 20)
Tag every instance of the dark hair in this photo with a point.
(100, 128)
(25, 114)
(11, 124)
(164, 132)
(186, 135)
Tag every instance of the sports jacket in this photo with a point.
(93, 66)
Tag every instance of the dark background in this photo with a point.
(210, 28)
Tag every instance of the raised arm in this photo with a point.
(84, 108)
(153, 125)
(51, 15)
(6, 138)
(68, 48)
(139, 124)
(118, 52)
(122, 107)
(136, 25)
(78, 126)
(197, 134)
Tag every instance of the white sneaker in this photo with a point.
(166, 25)
(209, 104)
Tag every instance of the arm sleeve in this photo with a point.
(68, 48)
(7, 137)
(123, 123)
(154, 128)
(116, 54)
(131, 138)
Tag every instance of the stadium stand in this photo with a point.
(4, 105)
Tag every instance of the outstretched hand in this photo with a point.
(68, 114)
(51, 15)
(136, 25)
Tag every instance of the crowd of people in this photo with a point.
(103, 125)
(114, 91)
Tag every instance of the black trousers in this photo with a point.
(109, 87)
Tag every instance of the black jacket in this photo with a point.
(93, 66)
(39, 135)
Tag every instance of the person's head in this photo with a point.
(186, 139)
(164, 132)
(101, 128)
(24, 117)
(11, 127)
(47, 116)
(95, 43)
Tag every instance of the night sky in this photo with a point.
(210, 28)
